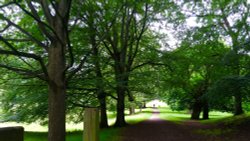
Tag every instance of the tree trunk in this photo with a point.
(238, 104)
(205, 110)
(120, 116)
(104, 118)
(57, 93)
(196, 110)
(144, 104)
(57, 113)
(131, 110)
(237, 97)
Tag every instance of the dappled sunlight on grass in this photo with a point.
(215, 116)
(35, 132)
(75, 133)
(229, 120)
(179, 116)
(131, 119)
(175, 116)
(139, 116)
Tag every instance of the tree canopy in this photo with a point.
(58, 57)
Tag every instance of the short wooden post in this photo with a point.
(91, 124)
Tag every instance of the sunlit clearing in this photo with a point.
(156, 103)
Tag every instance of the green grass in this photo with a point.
(175, 116)
(166, 114)
(110, 134)
(180, 116)
(215, 117)
(105, 134)
(228, 119)
(224, 125)
(35, 136)
(139, 116)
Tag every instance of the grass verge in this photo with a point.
(110, 134)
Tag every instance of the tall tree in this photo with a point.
(125, 23)
(196, 65)
(36, 33)
(231, 19)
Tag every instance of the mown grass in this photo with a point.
(181, 116)
(229, 120)
(174, 116)
(109, 134)
(105, 135)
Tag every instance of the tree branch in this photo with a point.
(35, 16)
(24, 32)
(79, 67)
(23, 54)
(23, 71)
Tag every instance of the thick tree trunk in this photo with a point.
(104, 118)
(205, 110)
(120, 116)
(57, 93)
(238, 104)
(57, 106)
(237, 97)
(196, 110)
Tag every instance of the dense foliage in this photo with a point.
(63, 56)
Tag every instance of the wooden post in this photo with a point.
(91, 124)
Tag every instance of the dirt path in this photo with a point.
(156, 129)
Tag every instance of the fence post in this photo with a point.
(91, 124)
(11, 133)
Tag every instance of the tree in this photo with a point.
(230, 18)
(125, 23)
(49, 50)
(196, 65)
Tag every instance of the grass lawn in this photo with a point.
(108, 134)
(179, 116)
(105, 134)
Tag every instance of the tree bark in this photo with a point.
(238, 104)
(120, 116)
(57, 93)
(99, 83)
(104, 118)
(205, 110)
(196, 110)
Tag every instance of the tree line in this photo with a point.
(58, 57)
